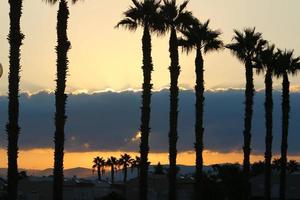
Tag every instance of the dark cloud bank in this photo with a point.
(109, 121)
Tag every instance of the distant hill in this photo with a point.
(81, 172)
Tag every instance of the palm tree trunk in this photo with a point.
(173, 135)
(199, 130)
(99, 174)
(15, 38)
(125, 175)
(63, 45)
(249, 94)
(269, 133)
(285, 127)
(112, 174)
(145, 117)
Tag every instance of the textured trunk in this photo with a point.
(173, 136)
(199, 130)
(112, 174)
(15, 38)
(63, 45)
(99, 174)
(125, 175)
(249, 93)
(145, 117)
(285, 129)
(269, 132)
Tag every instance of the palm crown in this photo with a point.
(247, 45)
(287, 64)
(126, 160)
(175, 16)
(142, 14)
(200, 36)
(98, 162)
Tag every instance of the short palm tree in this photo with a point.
(287, 64)
(175, 17)
(125, 162)
(62, 48)
(113, 163)
(99, 165)
(268, 59)
(136, 165)
(245, 46)
(15, 38)
(204, 40)
(144, 14)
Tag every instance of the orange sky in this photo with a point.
(43, 158)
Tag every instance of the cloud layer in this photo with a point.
(110, 121)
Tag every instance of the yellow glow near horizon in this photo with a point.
(43, 158)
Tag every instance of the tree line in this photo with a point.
(114, 164)
(188, 33)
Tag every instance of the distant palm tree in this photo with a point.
(287, 64)
(136, 165)
(246, 46)
(15, 38)
(126, 162)
(113, 163)
(99, 164)
(144, 14)
(201, 38)
(62, 48)
(175, 17)
(268, 60)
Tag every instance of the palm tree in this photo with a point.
(175, 17)
(268, 60)
(15, 38)
(113, 163)
(246, 46)
(201, 38)
(99, 164)
(62, 48)
(287, 64)
(136, 165)
(126, 162)
(144, 14)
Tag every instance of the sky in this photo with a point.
(107, 59)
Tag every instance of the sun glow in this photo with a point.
(43, 158)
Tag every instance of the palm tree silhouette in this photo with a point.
(136, 165)
(201, 38)
(126, 162)
(287, 64)
(15, 38)
(246, 46)
(144, 14)
(113, 163)
(175, 17)
(99, 164)
(268, 60)
(62, 48)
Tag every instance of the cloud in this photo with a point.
(109, 121)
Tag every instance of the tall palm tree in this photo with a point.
(204, 40)
(126, 162)
(287, 64)
(245, 46)
(144, 14)
(268, 60)
(62, 48)
(15, 38)
(113, 163)
(175, 17)
(99, 164)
